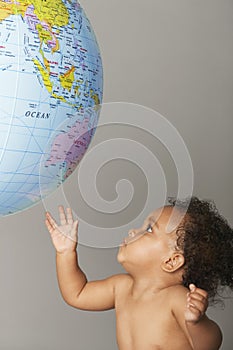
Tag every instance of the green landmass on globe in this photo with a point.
(51, 84)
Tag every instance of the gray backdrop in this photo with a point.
(174, 57)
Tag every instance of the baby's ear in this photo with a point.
(173, 263)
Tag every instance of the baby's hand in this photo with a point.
(197, 303)
(64, 236)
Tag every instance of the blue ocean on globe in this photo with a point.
(51, 84)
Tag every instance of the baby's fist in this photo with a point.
(197, 304)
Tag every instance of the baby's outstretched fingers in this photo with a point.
(50, 221)
(48, 225)
(74, 231)
(69, 216)
(62, 215)
(64, 236)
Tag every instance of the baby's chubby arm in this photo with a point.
(189, 309)
(74, 287)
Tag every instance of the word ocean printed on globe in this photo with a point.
(51, 82)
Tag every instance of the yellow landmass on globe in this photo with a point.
(67, 79)
(44, 34)
(48, 84)
(12, 8)
(61, 98)
(76, 90)
(53, 12)
(95, 97)
(56, 48)
(46, 62)
(45, 76)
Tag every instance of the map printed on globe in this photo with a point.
(51, 82)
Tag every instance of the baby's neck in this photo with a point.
(148, 287)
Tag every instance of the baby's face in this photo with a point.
(151, 242)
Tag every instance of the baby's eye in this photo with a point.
(149, 228)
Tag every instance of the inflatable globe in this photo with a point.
(51, 83)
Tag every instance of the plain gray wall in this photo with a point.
(175, 57)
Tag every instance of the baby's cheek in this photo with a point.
(172, 243)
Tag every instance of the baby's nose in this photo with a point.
(131, 233)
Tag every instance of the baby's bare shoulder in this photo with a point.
(122, 281)
(177, 289)
(122, 278)
(177, 294)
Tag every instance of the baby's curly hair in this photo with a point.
(206, 240)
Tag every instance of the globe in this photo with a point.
(51, 84)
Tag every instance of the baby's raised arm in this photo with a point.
(73, 284)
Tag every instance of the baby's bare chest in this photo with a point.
(147, 325)
(150, 318)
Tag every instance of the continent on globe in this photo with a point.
(51, 77)
(69, 147)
